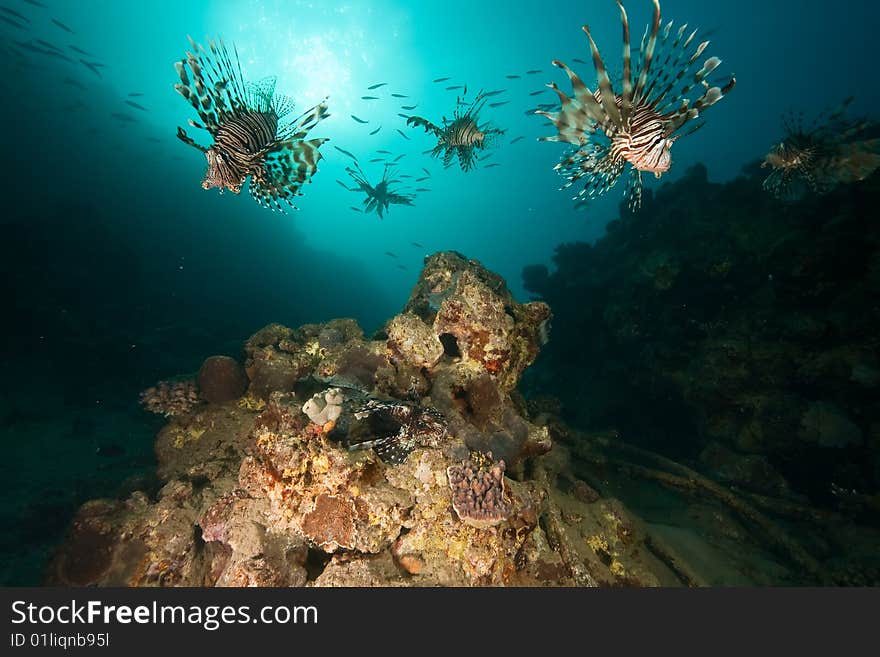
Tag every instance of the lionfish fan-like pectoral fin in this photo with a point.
(186, 139)
(287, 166)
(594, 164)
(634, 190)
(261, 93)
(785, 185)
(467, 157)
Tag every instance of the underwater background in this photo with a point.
(120, 270)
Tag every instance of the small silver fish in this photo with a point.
(369, 97)
(376, 130)
(512, 77)
(135, 105)
(408, 107)
(62, 26)
(399, 96)
(402, 133)
(513, 141)
(503, 102)
(358, 120)
(376, 86)
(441, 79)
(345, 152)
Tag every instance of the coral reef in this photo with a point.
(745, 331)
(356, 462)
(171, 398)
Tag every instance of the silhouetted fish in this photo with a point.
(516, 139)
(427, 173)
(12, 22)
(74, 83)
(62, 26)
(536, 93)
(342, 184)
(385, 152)
(488, 94)
(455, 86)
(404, 175)
(423, 178)
(423, 189)
(399, 96)
(401, 267)
(579, 61)
(80, 51)
(46, 44)
(403, 116)
(417, 245)
(441, 79)
(534, 71)
(376, 86)
(389, 253)
(123, 117)
(503, 102)
(489, 166)
(378, 159)
(155, 140)
(369, 97)
(376, 130)
(399, 157)
(18, 16)
(512, 77)
(358, 120)
(409, 107)
(135, 94)
(351, 207)
(135, 105)
(92, 66)
(345, 152)
(402, 133)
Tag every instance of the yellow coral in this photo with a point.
(251, 403)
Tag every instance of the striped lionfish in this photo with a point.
(246, 123)
(381, 196)
(461, 137)
(413, 425)
(819, 157)
(638, 125)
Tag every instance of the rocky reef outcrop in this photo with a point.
(727, 329)
(407, 458)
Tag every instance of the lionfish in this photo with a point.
(411, 426)
(639, 124)
(381, 196)
(246, 122)
(461, 137)
(819, 157)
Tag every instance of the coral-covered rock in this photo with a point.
(171, 398)
(221, 379)
(414, 340)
